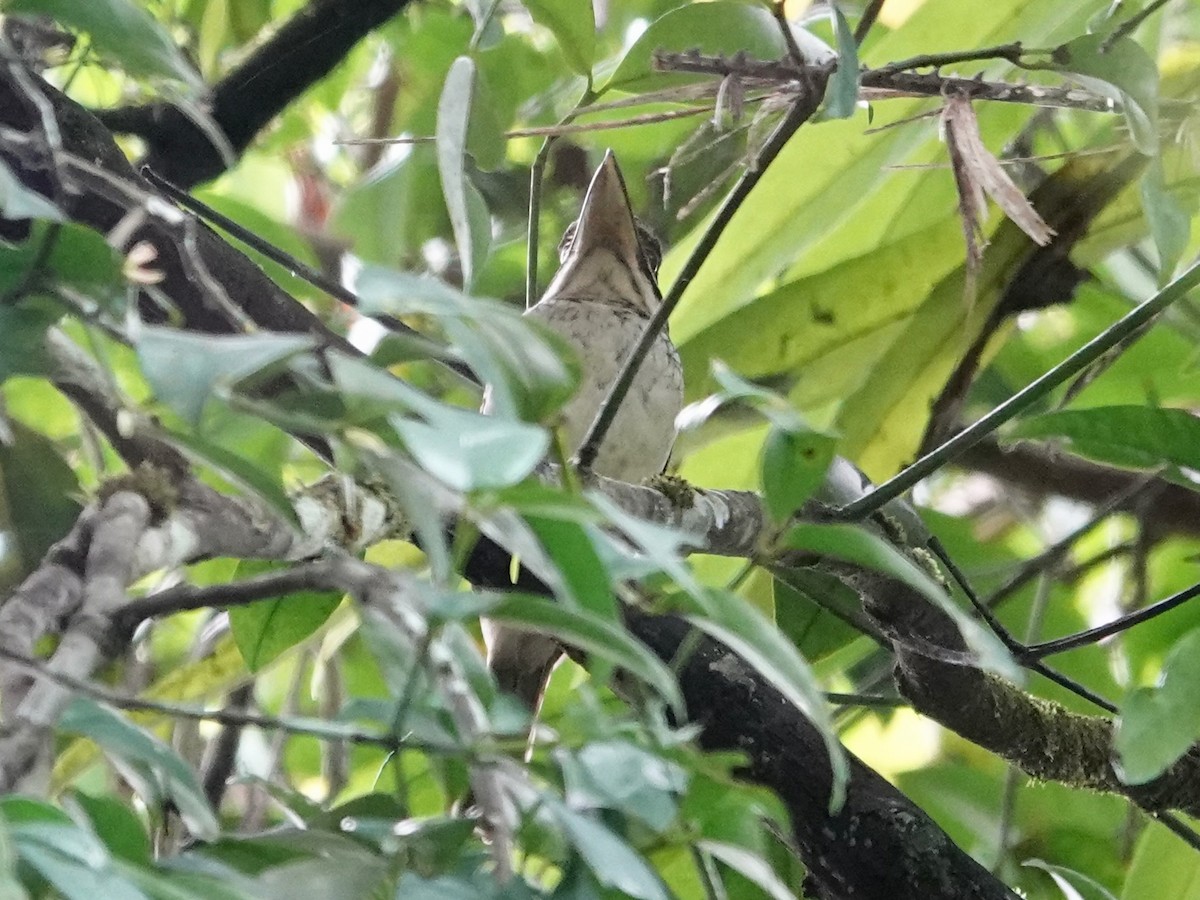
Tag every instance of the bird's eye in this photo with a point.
(651, 248)
(564, 246)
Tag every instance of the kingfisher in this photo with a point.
(600, 300)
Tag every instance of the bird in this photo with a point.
(600, 301)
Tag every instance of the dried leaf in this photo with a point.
(977, 167)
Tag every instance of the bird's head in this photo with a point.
(607, 255)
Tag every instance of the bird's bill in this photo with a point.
(605, 252)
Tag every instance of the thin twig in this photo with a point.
(1116, 626)
(870, 14)
(291, 263)
(1052, 554)
(226, 716)
(1009, 52)
(314, 575)
(1131, 24)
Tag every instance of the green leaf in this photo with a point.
(153, 768)
(621, 776)
(521, 363)
(121, 31)
(1123, 71)
(842, 97)
(1163, 868)
(793, 466)
(10, 884)
(37, 494)
(469, 451)
(22, 331)
(468, 214)
(712, 28)
(857, 545)
(614, 863)
(19, 202)
(117, 825)
(1169, 219)
(1138, 437)
(591, 634)
(185, 369)
(265, 629)
(571, 547)
(574, 27)
(1158, 724)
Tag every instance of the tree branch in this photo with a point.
(302, 52)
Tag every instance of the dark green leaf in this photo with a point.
(265, 629)
(247, 473)
(856, 545)
(37, 493)
(751, 866)
(1132, 436)
(1069, 882)
(117, 825)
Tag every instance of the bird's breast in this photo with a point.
(639, 442)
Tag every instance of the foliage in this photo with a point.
(829, 318)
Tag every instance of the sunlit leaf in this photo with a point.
(574, 27)
(265, 629)
(468, 215)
